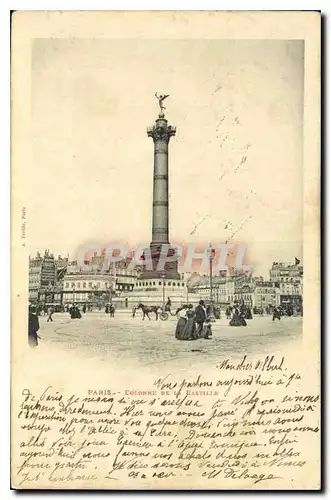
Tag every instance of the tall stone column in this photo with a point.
(161, 133)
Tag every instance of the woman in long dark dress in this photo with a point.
(248, 314)
(237, 318)
(242, 320)
(180, 324)
(75, 313)
(189, 328)
(242, 315)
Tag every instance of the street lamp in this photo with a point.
(73, 294)
(163, 275)
(111, 293)
(164, 315)
(211, 253)
(110, 287)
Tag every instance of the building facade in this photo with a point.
(44, 286)
(290, 280)
(226, 290)
(35, 264)
(95, 289)
(267, 293)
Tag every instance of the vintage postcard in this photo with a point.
(165, 251)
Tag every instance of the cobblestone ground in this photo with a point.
(147, 343)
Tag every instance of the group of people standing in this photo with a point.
(280, 311)
(193, 324)
(110, 309)
(238, 314)
(74, 312)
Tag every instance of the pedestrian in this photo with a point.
(206, 331)
(200, 317)
(242, 314)
(75, 312)
(168, 305)
(217, 312)
(134, 310)
(112, 311)
(180, 324)
(237, 318)
(33, 327)
(276, 314)
(84, 308)
(248, 314)
(208, 310)
(189, 328)
(50, 312)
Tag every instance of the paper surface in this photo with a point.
(119, 402)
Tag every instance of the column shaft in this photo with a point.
(160, 224)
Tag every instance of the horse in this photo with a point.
(149, 309)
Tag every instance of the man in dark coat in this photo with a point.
(50, 313)
(168, 305)
(200, 317)
(276, 314)
(33, 327)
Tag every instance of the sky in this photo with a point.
(235, 164)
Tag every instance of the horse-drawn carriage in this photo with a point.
(160, 312)
(157, 310)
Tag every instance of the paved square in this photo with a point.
(148, 343)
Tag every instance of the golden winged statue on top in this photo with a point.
(161, 98)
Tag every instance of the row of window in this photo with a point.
(34, 279)
(78, 296)
(288, 279)
(215, 287)
(84, 285)
(119, 286)
(242, 297)
(160, 284)
(124, 287)
(290, 287)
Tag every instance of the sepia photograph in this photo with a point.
(212, 183)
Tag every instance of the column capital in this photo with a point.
(161, 131)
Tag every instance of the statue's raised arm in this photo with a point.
(161, 98)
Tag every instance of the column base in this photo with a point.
(170, 270)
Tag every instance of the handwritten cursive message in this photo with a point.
(245, 427)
